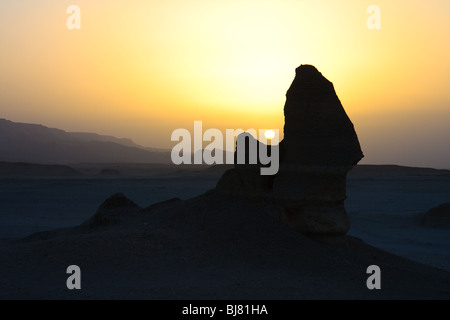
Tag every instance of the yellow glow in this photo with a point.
(141, 69)
(269, 134)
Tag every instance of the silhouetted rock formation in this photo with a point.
(320, 146)
(317, 130)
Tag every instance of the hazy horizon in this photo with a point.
(142, 69)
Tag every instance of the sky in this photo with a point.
(141, 69)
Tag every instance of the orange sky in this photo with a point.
(141, 69)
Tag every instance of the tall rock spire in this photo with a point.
(317, 130)
(320, 146)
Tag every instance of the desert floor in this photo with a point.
(385, 204)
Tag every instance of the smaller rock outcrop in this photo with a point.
(112, 210)
(438, 217)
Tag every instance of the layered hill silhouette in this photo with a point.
(22, 142)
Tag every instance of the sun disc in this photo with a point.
(269, 134)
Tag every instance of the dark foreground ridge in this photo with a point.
(228, 244)
(208, 247)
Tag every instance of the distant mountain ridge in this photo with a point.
(87, 136)
(24, 142)
(14, 170)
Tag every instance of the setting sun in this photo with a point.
(269, 134)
